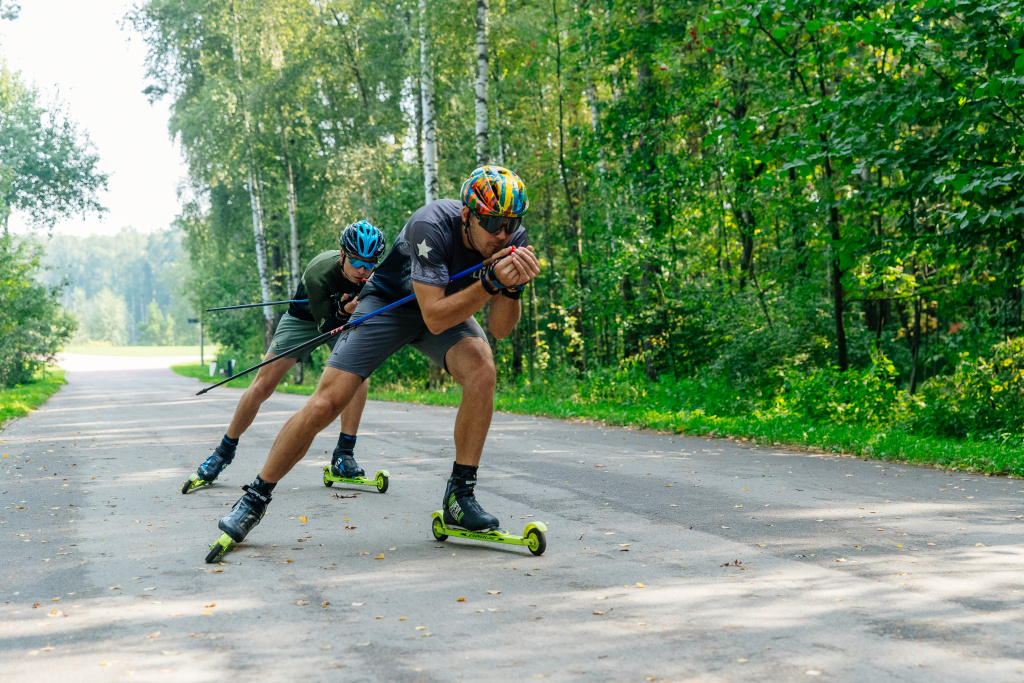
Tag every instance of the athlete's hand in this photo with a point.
(349, 307)
(518, 266)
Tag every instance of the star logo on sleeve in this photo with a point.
(424, 249)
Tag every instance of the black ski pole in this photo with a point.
(338, 330)
(267, 303)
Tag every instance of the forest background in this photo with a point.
(795, 221)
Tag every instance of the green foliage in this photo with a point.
(138, 270)
(982, 399)
(33, 326)
(47, 166)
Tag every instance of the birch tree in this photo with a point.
(430, 185)
(259, 235)
(482, 145)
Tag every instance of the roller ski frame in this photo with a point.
(220, 546)
(380, 481)
(193, 482)
(532, 538)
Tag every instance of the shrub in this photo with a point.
(983, 398)
(33, 326)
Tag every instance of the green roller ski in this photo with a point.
(532, 538)
(222, 545)
(194, 482)
(380, 481)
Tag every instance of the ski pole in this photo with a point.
(267, 303)
(338, 330)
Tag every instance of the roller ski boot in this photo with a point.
(236, 525)
(462, 517)
(211, 469)
(344, 468)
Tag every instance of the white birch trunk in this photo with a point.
(430, 185)
(296, 273)
(482, 144)
(254, 200)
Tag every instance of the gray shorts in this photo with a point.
(292, 331)
(363, 348)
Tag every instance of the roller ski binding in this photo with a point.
(211, 469)
(462, 517)
(345, 470)
(236, 525)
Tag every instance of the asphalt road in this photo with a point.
(668, 558)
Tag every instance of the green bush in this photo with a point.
(33, 326)
(870, 398)
(982, 399)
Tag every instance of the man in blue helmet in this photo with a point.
(442, 238)
(331, 283)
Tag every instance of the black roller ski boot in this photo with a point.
(212, 467)
(461, 510)
(246, 514)
(343, 462)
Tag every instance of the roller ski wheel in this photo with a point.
(217, 550)
(194, 482)
(380, 482)
(533, 535)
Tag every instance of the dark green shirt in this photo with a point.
(323, 283)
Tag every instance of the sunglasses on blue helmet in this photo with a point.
(360, 263)
(495, 224)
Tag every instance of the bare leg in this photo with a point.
(353, 412)
(472, 366)
(334, 392)
(267, 379)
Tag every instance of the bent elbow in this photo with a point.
(434, 325)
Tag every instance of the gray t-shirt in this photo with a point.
(429, 250)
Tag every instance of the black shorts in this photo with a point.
(362, 349)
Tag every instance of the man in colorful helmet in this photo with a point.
(330, 285)
(442, 238)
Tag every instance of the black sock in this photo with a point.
(346, 441)
(464, 471)
(264, 487)
(228, 441)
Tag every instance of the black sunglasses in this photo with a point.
(495, 224)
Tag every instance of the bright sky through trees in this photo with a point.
(78, 52)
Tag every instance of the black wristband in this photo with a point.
(513, 292)
(488, 287)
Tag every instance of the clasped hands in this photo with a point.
(515, 266)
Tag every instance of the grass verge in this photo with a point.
(21, 399)
(549, 401)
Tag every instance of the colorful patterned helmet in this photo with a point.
(363, 240)
(495, 191)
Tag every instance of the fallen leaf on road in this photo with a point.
(207, 613)
(303, 519)
(421, 628)
(379, 557)
(597, 611)
(460, 600)
(325, 604)
(212, 604)
(358, 604)
(639, 585)
(302, 603)
(493, 592)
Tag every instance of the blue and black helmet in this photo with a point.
(363, 240)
